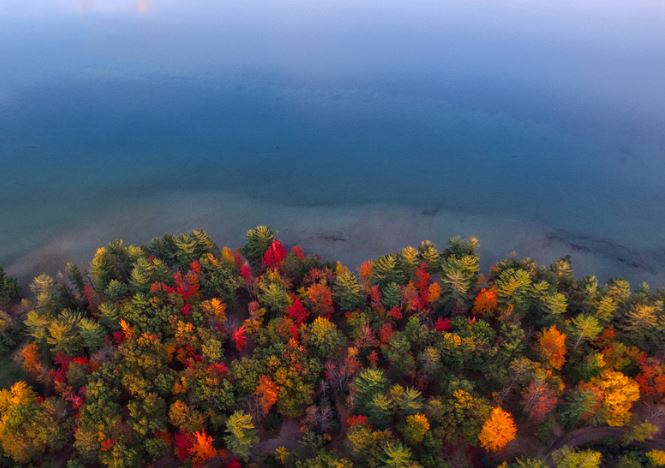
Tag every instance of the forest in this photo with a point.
(182, 353)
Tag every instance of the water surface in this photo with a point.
(351, 126)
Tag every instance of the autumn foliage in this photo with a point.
(497, 431)
(485, 302)
(268, 392)
(552, 346)
(179, 353)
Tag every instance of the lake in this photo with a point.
(353, 127)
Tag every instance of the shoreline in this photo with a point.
(352, 233)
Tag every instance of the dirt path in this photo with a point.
(288, 436)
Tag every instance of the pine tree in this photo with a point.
(408, 261)
(146, 272)
(385, 270)
(9, 289)
(75, 277)
(111, 262)
(458, 247)
(569, 458)
(644, 326)
(116, 290)
(512, 284)
(563, 270)
(427, 253)
(63, 333)
(191, 247)
(91, 334)
(368, 383)
(458, 275)
(546, 305)
(407, 400)
(579, 406)
(379, 410)
(258, 240)
(397, 455)
(43, 288)
(347, 290)
(606, 310)
(272, 292)
(584, 328)
(391, 295)
(241, 434)
(323, 338)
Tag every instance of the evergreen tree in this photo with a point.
(240, 434)
(9, 289)
(458, 275)
(347, 291)
(258, 240)
(379, 411)
(427, 253)
(386, 270)
(569, 458)
(391, 295)
(111, 262)
(584, 328)
(368, 383)
(397, 455)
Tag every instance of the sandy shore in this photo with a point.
(351, 233)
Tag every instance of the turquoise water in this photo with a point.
(538, 126)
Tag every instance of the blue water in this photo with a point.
(552, 113)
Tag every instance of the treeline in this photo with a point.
(182, 353)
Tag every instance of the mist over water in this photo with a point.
(332, 119)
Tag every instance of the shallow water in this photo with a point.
(538, 127)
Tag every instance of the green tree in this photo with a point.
(512, 286)
(379, 410)
(579, 404)
(258, 240)
(644, 325)
(397, 455)
(584, 328)
(9, 289)
(458, 275)
(28, 428)
(569, 458)
(323, 338)
(407, 401)
(273, 293)
(111, 262)
(391, 295)
(385, 270)
(368, 383)
(240, 434)
(346, 290)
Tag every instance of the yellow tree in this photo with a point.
(417, 426)
(619, 392)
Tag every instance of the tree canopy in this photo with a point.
(180, 352)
